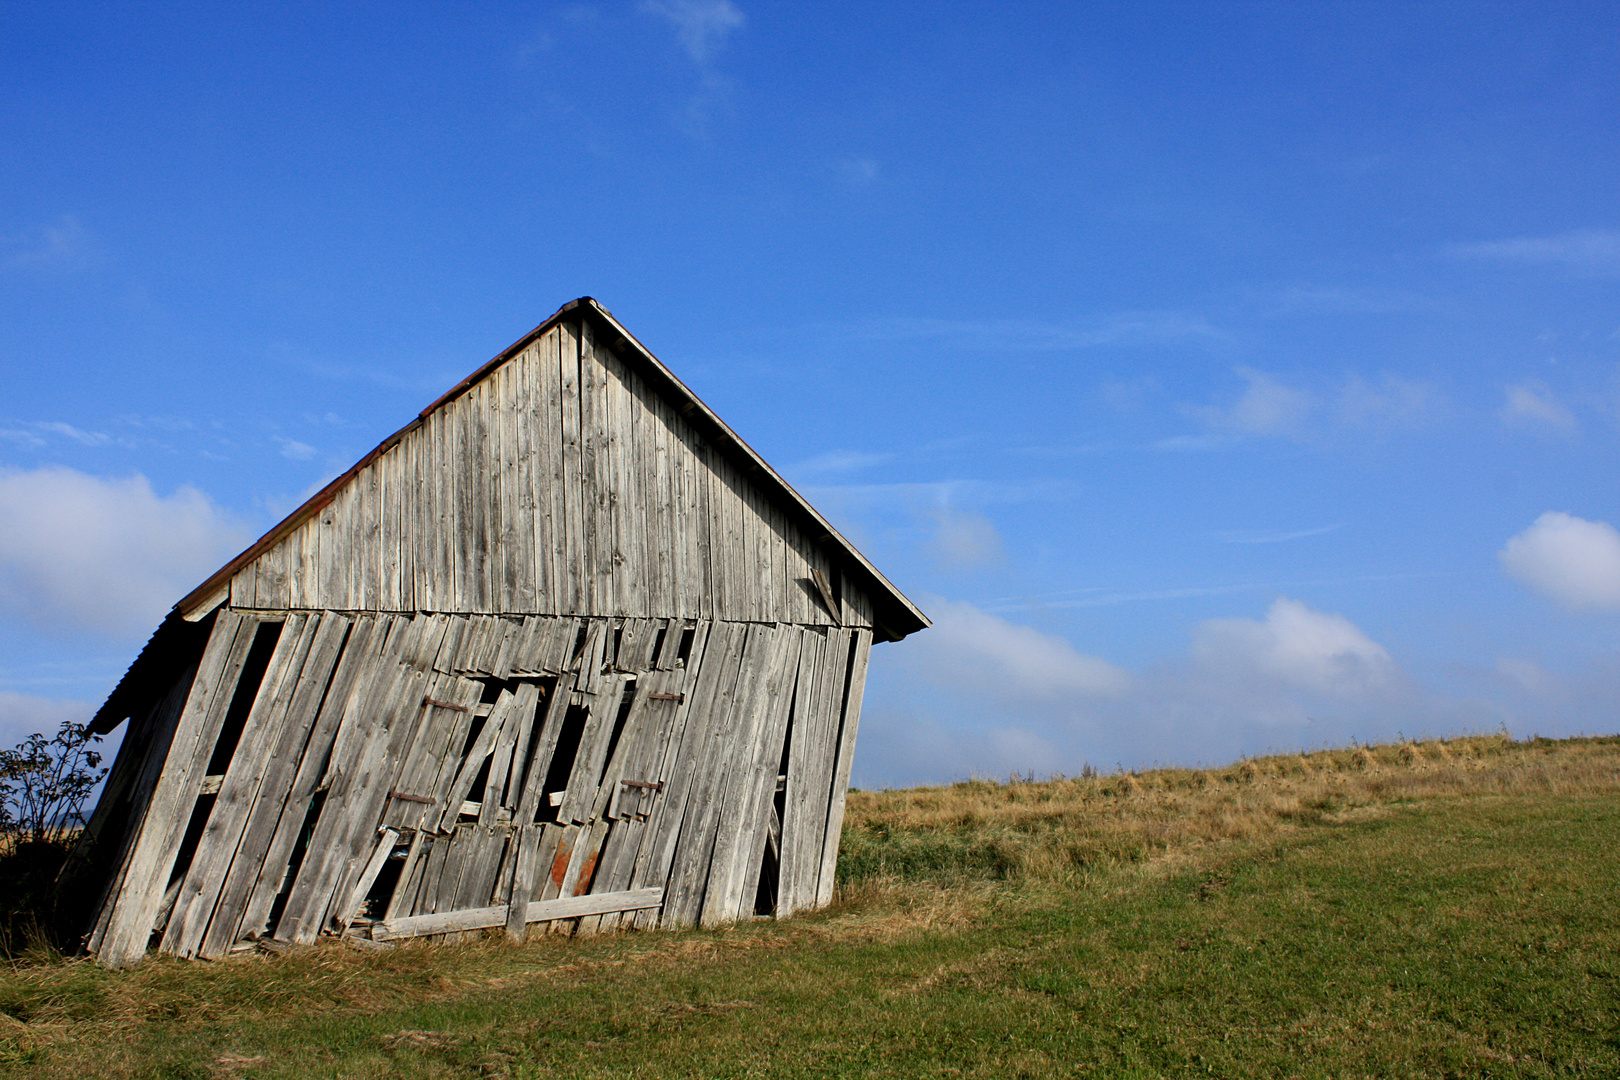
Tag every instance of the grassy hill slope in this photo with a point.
(1444, 909)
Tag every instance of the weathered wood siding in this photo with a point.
(428, 774)
(559, 484)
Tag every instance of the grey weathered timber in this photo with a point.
(162, 721)
(851, 706)
(563, 636)
(216, 847)
(537, 911)
(561, 483)
(285, 822)
(169, 809)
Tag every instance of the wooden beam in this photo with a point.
(568, 907)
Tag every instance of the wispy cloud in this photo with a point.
(1533, 404)
(1102, 596)
(65, 244)
(858, 171)
(1266, 407)
(1121, 329)
(980, 694)
(701, 29)
(38, 433)
(965, 540)
(1338, 300)
(1392, 402)
(1594, 251)
(1254, 536)
(701, 26)
(1297, 646)
(293, 450)
(839, 461)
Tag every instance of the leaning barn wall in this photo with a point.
(398, 775)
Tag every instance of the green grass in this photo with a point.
(1471, 933)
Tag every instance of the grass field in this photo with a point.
(1436, 910)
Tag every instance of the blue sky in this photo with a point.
(1221, 377)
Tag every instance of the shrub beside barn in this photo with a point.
(563, 650)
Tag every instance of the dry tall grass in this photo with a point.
(1055, 830)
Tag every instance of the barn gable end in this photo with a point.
(563, 650)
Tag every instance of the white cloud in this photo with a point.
(701, 26)
(967, 647)
(1574, 561)
(1587, 250)
(1295, 646)
(294, 450)
(1534, 404)
(965, 540)
(80, 552)
(1267, 407)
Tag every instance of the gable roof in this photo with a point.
(894, 616)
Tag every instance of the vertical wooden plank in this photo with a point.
(169, 810)
(494, 407)
(799, 859)
(544, 748)
(724, 541)
(509, 552)
(709, 786)
(762, 821)
(514, 727)
(431, 584)
(574, 592)
(531, 584)
(652, 502)
(158, 733)
(550, 504)
(412, 536)
(700, 535)
(527, 839)
(482, 505)
(856, 687)
(244, 588)
(598, 524)
(602, 712)
(756, 749)
(390, 597)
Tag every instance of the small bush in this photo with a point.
(44, 786)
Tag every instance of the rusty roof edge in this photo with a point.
(589, 305)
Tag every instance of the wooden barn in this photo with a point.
(563, 650)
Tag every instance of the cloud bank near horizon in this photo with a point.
(81, 553)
